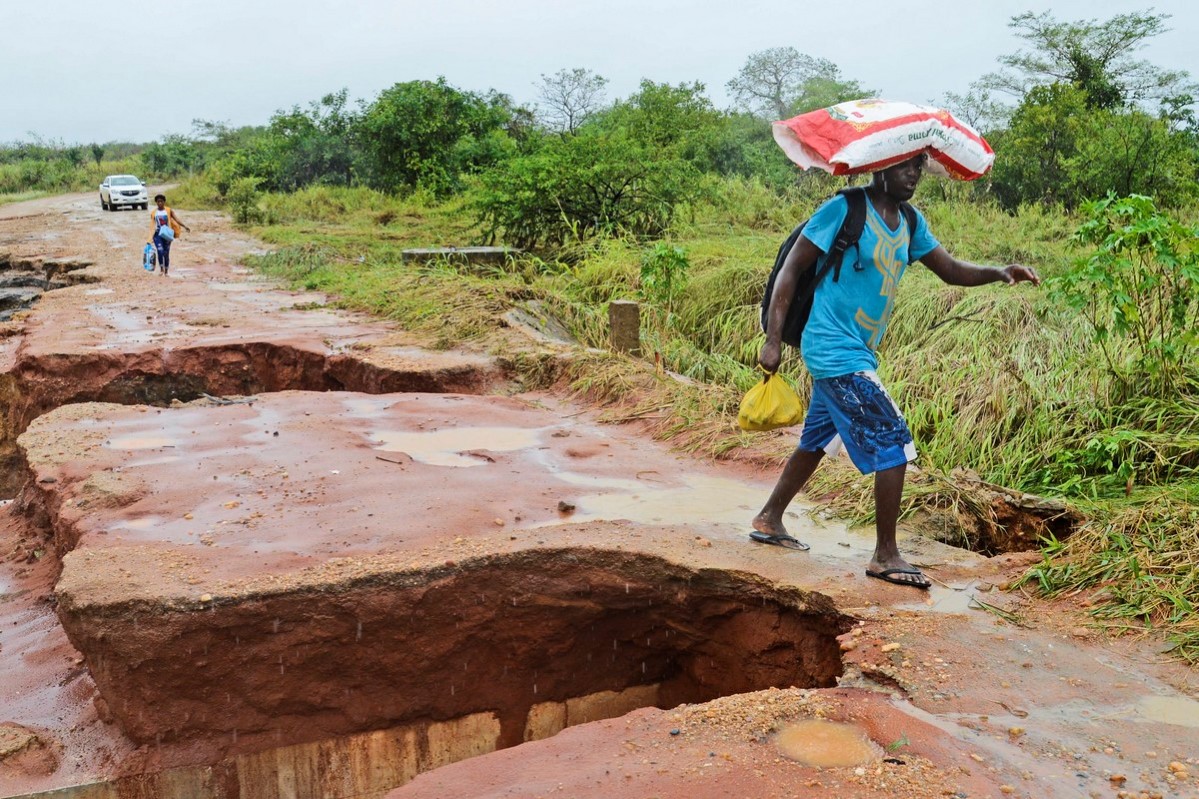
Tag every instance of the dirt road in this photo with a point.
(261, 548)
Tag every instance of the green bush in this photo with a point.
(243, 200)
(426, 134)
(575, 187)
(1139, 293)
(663, 272)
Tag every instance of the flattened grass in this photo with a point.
(1143, 562)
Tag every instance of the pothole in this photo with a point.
(510, 648)
(24, 280)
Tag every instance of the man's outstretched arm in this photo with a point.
(963, 273)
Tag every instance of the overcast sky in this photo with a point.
(89, 70)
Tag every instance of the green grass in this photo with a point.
(44, 177)
(20, 197)
(1142, 563)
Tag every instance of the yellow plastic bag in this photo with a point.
(770, 404)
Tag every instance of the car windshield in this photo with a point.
(125, 180)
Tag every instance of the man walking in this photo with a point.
(849, 316)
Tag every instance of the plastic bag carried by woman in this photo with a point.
(769, 405)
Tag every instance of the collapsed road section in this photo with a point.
(307, 567)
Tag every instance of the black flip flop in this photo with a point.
(785, 541)
(885, 576)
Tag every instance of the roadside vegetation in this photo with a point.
(1087, 389)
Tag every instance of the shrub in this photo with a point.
(1139, 292)
(242, 198)
(663, 272)
(578, 186)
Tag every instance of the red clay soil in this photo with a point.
(197, 579)
(725, 748)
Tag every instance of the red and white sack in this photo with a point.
(870, 135)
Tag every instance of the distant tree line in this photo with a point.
(1073, 116)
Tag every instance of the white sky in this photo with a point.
(97, 70)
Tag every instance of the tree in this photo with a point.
(97, 153)
(1131, 152)
(597, 181)
(1034, 150)
(1059, 151)
(746, 148)
(570, 97)
(425, 134)
(676, 118)
(978, 108)
(1096, 58)
(781, 82)
(313, 145)
(173, 155)
(74, 155)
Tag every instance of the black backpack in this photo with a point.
(805, 287)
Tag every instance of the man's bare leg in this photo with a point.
(888, 492)
(799, 468)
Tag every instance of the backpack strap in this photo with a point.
(851, 228)
(909, 213)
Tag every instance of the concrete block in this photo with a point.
(624, 320)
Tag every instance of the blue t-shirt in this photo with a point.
(849, 317)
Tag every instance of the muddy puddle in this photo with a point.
(826, 744)
(130, 443)
(454, 446)
(719, 507)
(1168, 710)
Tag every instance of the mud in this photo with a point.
(209, 329)
(262, 549)
(496, 635)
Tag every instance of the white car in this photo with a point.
(118, 190)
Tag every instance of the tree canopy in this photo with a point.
(781, 82)
(1096, 57)
(569, 97)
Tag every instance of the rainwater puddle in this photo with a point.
(241, 286)
(94, 292)
(129, 328)
(144, 523)
(1169, 710)
(367, 406)
(450, 447)
(826, 744)
(700, 500)
(152, 461)
(125, 321)
(140, 442)
(703, 502)
(939, 599)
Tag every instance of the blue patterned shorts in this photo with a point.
(855, 411)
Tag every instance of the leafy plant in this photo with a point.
(663, 272)
(1139, 292)
(242, 197)
(575, 187)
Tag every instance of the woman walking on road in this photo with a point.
(166, 228)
